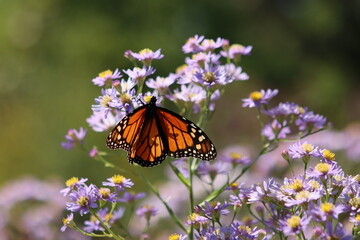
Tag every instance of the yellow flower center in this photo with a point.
(294, 222)
(244, 228)
(302, 195)
(296, 185)
(314, 184)
(234, 185)
(327, 207)
(237, 47)
(181, 68)
(70, 182)
(192, 217)
(145, 51)
(357, 217)
(322, 167)
(355, 202)
(256, 96)
(328, 155)
(125, 98)
(83, 201)
(66, 221)
(307, 147)
(105, 74)
(104, 192)
(174, 236)
(148, 98)
(105, 100)
(357, 178)
(108, 217)
(209, 77)
(118, 179)
(301, 110)
(235, 155)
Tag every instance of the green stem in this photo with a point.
(91, 234)
(191, 195)
(113, 235)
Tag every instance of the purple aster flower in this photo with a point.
(235, 155)
(94, 224)
(199, 60)
(211, 76)
(196, 220)
(337, 232)
(275, 130)
(119, 182)
(285, 109)
(234, 73)
(99, 123)
(67, 222)
(294, 224)
(236, 51)
(130, 197)
(106, 78)
(74, 137)
(242, 194)
(244, 232)
(139, 74)
(323, 211)
(177, 237)
(213, 210)
(94, 152)
(257, 98)
(147, 55)
(309, 120)
(208, 45)
(83, 199)
(302, 197)
(107, 101)
(192, 45)
(73, 184)
(324, 170)
(265, 191)
(146, 211)
(355, 218)
(105, 194)
(161, 84)
(303, 150)
(189, 94)
(212, 169)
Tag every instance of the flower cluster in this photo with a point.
(90, 199)
(285, 118)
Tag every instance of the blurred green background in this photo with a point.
(51, 49)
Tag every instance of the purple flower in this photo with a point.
(309, 120)
(67, 221)
(146, 211)
(211, 76)
(337, 232)
(177, 237)
(303, 150)
(73, 184)
(105, 194)
(161, 84)
(94, 152)
(192, 45)
(265, 191)
(196, 220)
(147, 55)
(119, 182)
(189, 94)
(129, 197)
(212, 169)
(324, 170)
(74, 137)
(236, 50)
(199, 60)
(213, 210)
(139, 74)
(106, 77)
(302, 197)
(235, 155)
(233, 72)
(275, 130)
(257, 98)
(284, 109)
(99, 123)
(94, 224)
(294, 224)
(208, 45)
(325, 211)
(107, 101)
(83, 199)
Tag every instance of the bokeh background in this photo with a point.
(51, 49)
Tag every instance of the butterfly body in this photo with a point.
(150, 133)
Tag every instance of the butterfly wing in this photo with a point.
(126, 131)
(183, 137)
(148, 149)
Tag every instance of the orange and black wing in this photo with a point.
(183, 138)
(126, 131)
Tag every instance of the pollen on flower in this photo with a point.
(104, 192)
(357, 217)
(256, 96)
(302, 195)
(296, 185)
(67, 220)
(105, 74)
(294, 222)
(327, 207)
(83, 201)
(105, 100)
(209, 77)
(145, 51)
(125, 98)
(147, 98)
(307, 147)
(70, 182)
(244, 228)
(328, 155)
(355, 202)
(301, 110)
(118, 179)
(192, 217)
(174, 236)
(314, 184)
(235, 155)
(234, 185)
(322, 167)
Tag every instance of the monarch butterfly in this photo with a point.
(149, 133)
